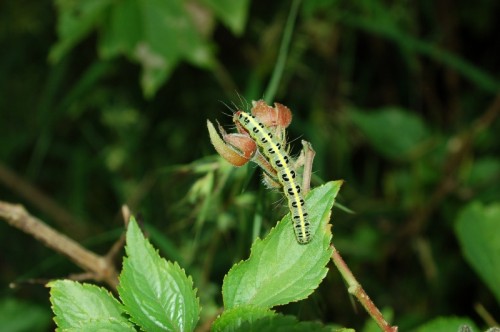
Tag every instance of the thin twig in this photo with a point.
(355, 288)
(101, 267)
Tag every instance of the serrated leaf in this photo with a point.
(248, 319)
(76, 305)
(446, 324)
(477, 228)
(107, 326)
(157, 294)
(392, 131)
(280, 270)
(232, 13)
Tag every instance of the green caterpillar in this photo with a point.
(281, 163)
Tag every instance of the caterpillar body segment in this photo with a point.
(285, 172)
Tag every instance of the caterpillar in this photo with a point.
(282, 164)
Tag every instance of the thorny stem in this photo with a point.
(355, 288)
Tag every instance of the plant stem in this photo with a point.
(283, 53)
(355, 288)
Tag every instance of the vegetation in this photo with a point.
(103, 108)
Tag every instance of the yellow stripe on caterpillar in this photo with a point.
(281, 163)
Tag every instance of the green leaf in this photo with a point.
(103, 325)
(280, 270)
(77, 19)
(446, 324)
(393, 132)
(281, 323)
(478, 232)
(232, 13)
(231, 319)
(157, 294)
(19, 316)
(76, 305)
(483, 171)
(157, 34)
(121, 30)
(248, 318)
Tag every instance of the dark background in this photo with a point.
(397, 98)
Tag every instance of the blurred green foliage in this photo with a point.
(104, 103)
(477, 231)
